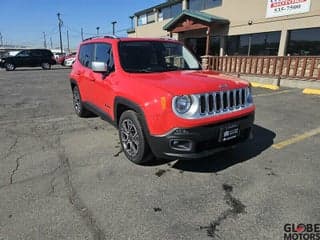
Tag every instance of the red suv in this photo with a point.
(155, 93)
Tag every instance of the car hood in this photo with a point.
(190, 82)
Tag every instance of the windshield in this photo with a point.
(156, 56)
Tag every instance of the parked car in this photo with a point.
(69, 60)
(163, 104)
(29, 58)
(61, 59)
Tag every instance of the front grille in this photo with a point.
(223, 101)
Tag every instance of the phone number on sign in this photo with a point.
(287, 8)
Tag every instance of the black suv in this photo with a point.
(29, 58)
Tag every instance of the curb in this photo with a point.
(268, 86)
(311, 91)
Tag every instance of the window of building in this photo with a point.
(203, 4)
(215, 46)
(258, 44)
(304, 42)
(142, 19)
(150, 17)
(160, 15)
(171, 11)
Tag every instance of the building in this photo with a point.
(235, 28)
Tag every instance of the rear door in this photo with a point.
(35, 59)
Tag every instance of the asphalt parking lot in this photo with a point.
(62, 177)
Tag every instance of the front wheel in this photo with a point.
(132, 138)
(46, 66)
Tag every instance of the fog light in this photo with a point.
(181, 145)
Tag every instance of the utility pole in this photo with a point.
(1, 39)
(51, 43)
(97, 30)
(60, 25)
(82, 34)
(68, 41)
(113, 27)
(44, 40)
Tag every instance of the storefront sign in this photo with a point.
(278, 8)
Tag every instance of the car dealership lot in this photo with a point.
(62, 177)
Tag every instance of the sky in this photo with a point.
(22, 22)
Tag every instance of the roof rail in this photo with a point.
(110, 36)
(106, 36)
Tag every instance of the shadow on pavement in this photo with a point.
(262, 140)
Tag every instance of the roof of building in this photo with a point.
(206, 17)
(159, 6)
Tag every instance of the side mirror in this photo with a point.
(100, 67)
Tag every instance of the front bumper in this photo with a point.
(200, 142)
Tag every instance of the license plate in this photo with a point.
(229, 132)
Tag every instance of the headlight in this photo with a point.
(182, 104)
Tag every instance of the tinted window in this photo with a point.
(155, 56)
(304, 42)
(24, 53)
(86, 54)
(203, 4)
(103, 53)
(46, 53)
(37, 53)
(171, 11)
(258, 44)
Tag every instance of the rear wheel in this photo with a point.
(132, 138)
(46, 66)
(10, 66)
(78, 107)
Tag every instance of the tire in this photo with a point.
(46, 66)
(78, 107)
(132, 138)
(10, 66)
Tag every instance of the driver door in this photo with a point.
(103, 84)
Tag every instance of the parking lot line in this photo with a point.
(275, 93)
(296, 138)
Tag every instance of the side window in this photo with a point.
(86, 55)
(103, 53)
(24, 53)
(36, 53)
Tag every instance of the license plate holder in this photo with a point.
(229, 132)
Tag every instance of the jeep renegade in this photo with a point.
(155, 93)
